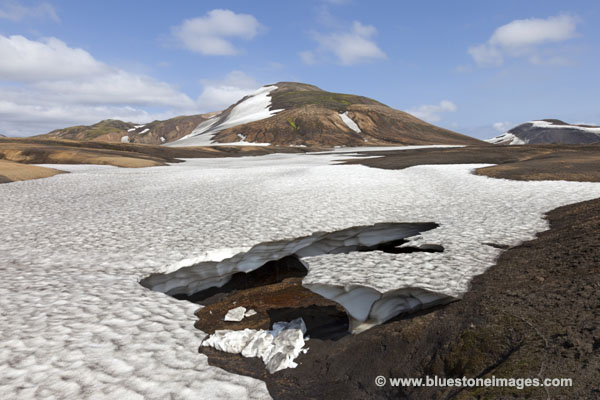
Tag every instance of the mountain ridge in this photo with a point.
(280, 114)
(548, 131)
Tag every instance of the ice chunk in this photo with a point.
(230, 341)
(236, 314)
(278, 348)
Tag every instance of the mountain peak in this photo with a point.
(300, 114)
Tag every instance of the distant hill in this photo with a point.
(110, 130)
(298, 114)
(548, 131)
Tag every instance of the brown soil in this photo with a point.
(542, 322)
(54, 151)
(12, 171)
(529, 162)
(266, 301)
(318, 125)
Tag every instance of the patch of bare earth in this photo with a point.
(12, 171)
(528, 162)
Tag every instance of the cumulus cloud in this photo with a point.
(14, 11)
(502, 127)
(212, 33)
(220, 94)
(522, 38)
(431, 112)
(22, 59)
(46, 84)
(348, 47)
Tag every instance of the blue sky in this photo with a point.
(471, 66)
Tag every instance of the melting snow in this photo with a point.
(144, 131)
(125, 139)
(78, 324)
(349, 122)
(278, 348)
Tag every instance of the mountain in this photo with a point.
(110, 130)
(547, 131)
(298, 114)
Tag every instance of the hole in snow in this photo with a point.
(270, 273)
(269, 265)
(322, 322)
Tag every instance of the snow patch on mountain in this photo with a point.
(546, 124)
(349, 122)
(506, 138)
(254, 107)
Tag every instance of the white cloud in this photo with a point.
(220, 94)
(14, 11)
(212, 34)
(523, 37)
(349, 47)
(502, 127)
(431, 112)
(308, 57)
(22, 59)
(46, 84)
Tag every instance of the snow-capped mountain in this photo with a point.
(298, 114)
(282, 114)
(549, 131)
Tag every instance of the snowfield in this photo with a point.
(76, 323)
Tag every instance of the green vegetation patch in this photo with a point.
(333, 101)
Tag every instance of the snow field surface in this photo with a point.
(76, 323)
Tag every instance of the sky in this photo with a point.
(474, 67)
